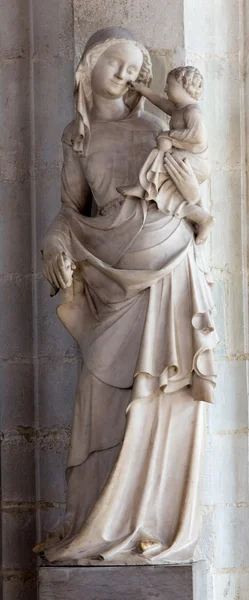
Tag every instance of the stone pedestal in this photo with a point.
(163, 582)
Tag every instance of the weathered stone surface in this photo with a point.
(230, 411)
(159, 27)
(105, 583)
(57, 386)
(231, 586)
(14, 103)
(15, 32)
(17, 383)
(15, 227)
(18, 458)
(53, 458)
(232, 537)
(20, 585)
(16, 325)
(18, 535)
(226, 468)
(218, 26)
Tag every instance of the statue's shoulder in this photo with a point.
(68, 133)
(152, 122)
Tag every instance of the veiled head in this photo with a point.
(111, 58)
(118, 65)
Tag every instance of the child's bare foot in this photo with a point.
(144, 545)
(204, 228)
(131, 190)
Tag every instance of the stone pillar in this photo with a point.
(36, 355)
(216, 42)
(16, 345)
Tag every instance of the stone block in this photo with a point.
(53, 460)
(205, 549)
(20, 586)
(213, 31)
(46, 28)
(225, 194)
(18, 459)
(219, 292)
(16, 318)
(48, 204)
(222, 80)
(14, 103)
(66, 86)
(15, 228)
(143, 582)
(66, 29)
(17, 408)
(232, 537)
(53, 28)
(228, 473)
(19, 537)
(231, 586)
(46, 97)
(15, 32)
(237, 340)
(57, 387)
(141, 17)
(53, 338)
(207, 471)
(53, 97)
(230, 411)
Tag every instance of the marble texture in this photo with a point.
(147, 583)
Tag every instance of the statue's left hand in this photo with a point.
(183, 176)
(58, 269)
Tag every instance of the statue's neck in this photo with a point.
(105, 109)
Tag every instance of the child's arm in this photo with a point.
(194, 131)
(158, 100)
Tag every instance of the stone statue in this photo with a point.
(188, 135)
(138, 302)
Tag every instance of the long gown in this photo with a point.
(141, 312)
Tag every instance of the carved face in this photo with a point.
(115, 67)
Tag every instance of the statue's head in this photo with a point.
(115, 67)
(184, 83)
(112, 57)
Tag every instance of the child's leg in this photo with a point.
(132, 190)
(195, 213)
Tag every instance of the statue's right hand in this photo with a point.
(56, 269)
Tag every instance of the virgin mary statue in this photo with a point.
(140, 307)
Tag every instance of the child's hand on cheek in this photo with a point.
(137, 87)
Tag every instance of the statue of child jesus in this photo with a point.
(186, 139)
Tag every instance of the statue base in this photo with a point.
(140, 582)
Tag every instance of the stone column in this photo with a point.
(16, 345)
(35, 352)
(216, 42)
